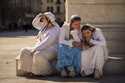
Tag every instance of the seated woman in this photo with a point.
(68, 61)
(37, 60)
(95, 52)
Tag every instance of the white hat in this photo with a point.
(50, 16)
(36, 22)
(74, 17)
(92, 26)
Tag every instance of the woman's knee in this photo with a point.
(40, 61)
(25, 51)
(38, 56)
(37, 53)
(46, 55)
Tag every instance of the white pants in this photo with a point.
(93, 58)
(38, 63)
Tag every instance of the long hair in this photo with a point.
(90, 28)
(73, 19)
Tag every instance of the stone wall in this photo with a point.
(99, 12)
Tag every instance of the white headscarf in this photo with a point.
(36, 21)
(51, 17)
(87, 24)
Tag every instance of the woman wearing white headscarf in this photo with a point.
(93, 58)
(68, 60)
(37, 60)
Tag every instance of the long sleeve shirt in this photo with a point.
(98, 38)
(64, 35)
(48, 38)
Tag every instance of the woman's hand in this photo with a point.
(77, 44)
(91, 44)
(33, 51)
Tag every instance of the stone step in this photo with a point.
(118, 36)
(115, 65)
(115, 37)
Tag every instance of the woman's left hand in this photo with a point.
(77, 44)
(33, 51)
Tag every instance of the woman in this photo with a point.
(94, 56)
(68, 61)
(37, 60)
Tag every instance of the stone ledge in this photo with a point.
(115, 66)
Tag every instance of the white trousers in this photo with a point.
(38, 63)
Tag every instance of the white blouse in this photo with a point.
(64, 35)
(75, 34)
(49, 38)
(98, 38)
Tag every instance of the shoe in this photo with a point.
(83, 74)
(71, 72)
(64, 73)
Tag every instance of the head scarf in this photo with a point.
(49, 15)
(74, 17)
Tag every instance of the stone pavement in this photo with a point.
(12, 42)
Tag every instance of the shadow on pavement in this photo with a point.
(19, 33)
(90, 79)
